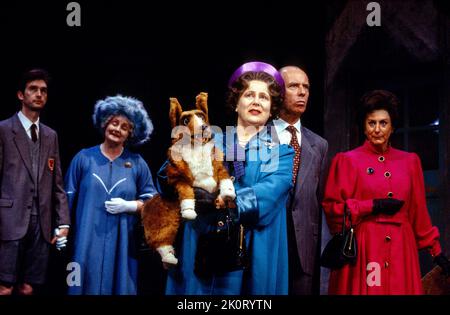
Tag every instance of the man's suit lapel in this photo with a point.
(21, 141)
(306, 158)
(43, 151)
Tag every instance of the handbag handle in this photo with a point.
(349, 249)
(344, 226)
(230, 221)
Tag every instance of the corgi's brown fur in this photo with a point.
(194, 161)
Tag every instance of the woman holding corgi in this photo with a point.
(262, 171)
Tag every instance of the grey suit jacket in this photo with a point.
(304, 201)
(16, 181)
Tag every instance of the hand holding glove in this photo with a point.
(389, 206)
(60, 237)
(444, 263)
(118, 205)
(204, 201)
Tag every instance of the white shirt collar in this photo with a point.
(26, 123)
(283, 134)
(281, 125)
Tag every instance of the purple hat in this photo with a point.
(257, 66)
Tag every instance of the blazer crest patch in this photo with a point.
(51, 164)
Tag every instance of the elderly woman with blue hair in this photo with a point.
(106, 187)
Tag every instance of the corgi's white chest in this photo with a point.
(199, 160)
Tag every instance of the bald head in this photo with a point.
(290, 69)
(296, 83)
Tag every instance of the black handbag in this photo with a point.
(222, 250)
(341, 249)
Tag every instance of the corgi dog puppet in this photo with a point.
(194, 161)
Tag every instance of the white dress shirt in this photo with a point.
(26, 123)
(285, 135)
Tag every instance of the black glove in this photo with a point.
(444, 263)
(204, 201)
(388, 206)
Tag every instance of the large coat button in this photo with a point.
(370, 170)
(390, 194)
(387, 174)
(381, 158)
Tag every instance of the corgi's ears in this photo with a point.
(175, 112)
(201, 102)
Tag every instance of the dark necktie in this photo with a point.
(33, 132)
(297, 149)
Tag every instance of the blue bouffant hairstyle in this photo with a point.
(132, 109)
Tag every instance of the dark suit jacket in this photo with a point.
(305, 199)
(16, 181)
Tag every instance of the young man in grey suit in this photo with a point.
(32, 199)
(310, 165)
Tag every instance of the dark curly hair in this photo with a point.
(379, 100)
(33, 75)
(241, 84)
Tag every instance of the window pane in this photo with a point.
(423, 107)
(426, 145)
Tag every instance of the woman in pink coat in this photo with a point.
(383, 189)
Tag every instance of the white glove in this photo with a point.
(61, 242)
(118, 205)
(227, 191)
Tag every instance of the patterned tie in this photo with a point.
(33, 132)
(297, 149)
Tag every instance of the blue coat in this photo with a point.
(104, 243)
(261, 202)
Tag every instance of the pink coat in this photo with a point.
(387, 261)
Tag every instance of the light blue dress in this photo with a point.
(104, 243)
(261, 201)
